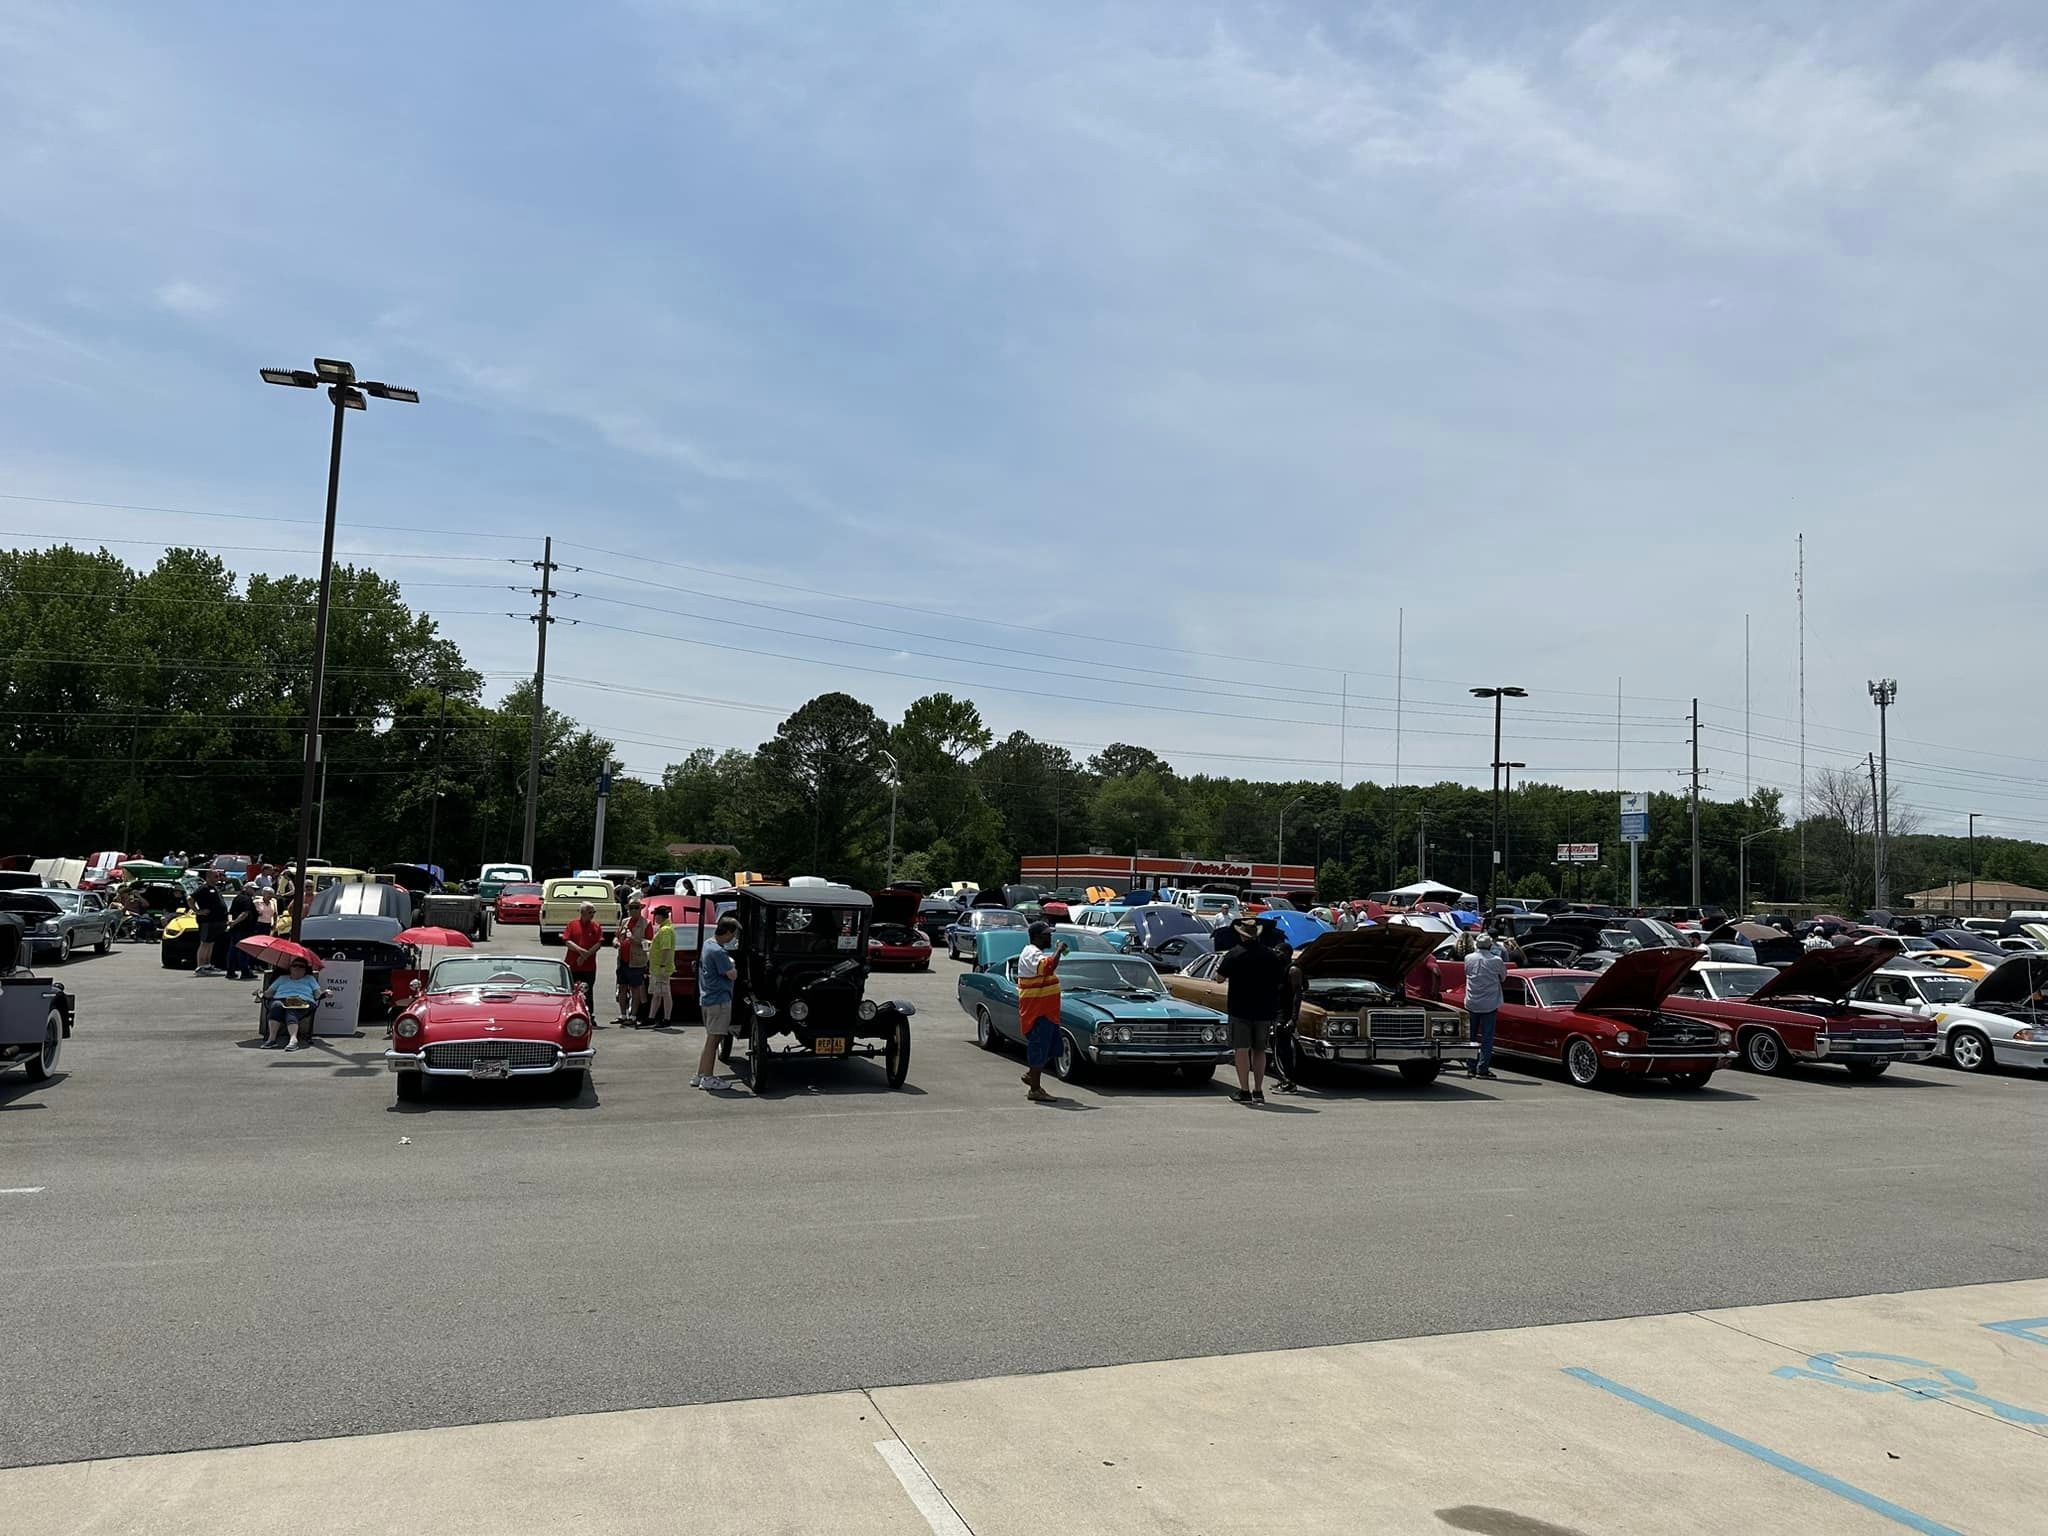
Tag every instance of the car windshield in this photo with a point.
(70, 901)
(1083, 940)
(1099, 973)
(1559, 991)
(1941, 989)
(485, 970)
(1915, 942)
(817, 930)
(1738, 981)
(998, 917)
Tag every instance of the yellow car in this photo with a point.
(561, 900)
(1965, 963)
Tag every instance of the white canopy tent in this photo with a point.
(1430, 890)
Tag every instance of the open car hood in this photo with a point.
(2013, 982)
(1829, 974)
(29, 905)
(893, 906)
(1638, 982)
(1385, 955)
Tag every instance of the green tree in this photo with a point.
(1133, 813)
(819, 793)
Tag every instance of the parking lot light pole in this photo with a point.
(347, 395)
(1973, 861)
(896, 783)
(1742, 869)
(1493, 862)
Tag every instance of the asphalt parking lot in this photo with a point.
(214, 1245)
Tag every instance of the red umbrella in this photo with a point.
(278, 952)
(443, 938)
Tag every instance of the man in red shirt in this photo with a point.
(584, 939)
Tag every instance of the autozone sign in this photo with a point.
(1222, 871)
(1578, 853)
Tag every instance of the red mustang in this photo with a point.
(1802, 1013)
(492, 1017)
(893, 935)
(1612, 1024)
(518, 904)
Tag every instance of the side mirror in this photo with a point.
(418, 986)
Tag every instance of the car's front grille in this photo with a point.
(1397, 1024)
(1156, 1034)
(1876, 1041)
(466, 1053)
(1681, 1035)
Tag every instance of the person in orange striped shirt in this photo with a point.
(1038, 1007)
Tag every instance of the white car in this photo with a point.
(2000, 1021)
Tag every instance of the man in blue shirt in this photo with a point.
(715, 972)
(295, 987)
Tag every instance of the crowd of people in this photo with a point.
(644, 972)
(226, 917)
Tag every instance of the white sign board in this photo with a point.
(1578, 853)
(1635, 817)
(339, 1014)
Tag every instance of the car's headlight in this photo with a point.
(764, 1010)
(407, 1027)
(577, 1027)
(1341, 1029)
(1208, 1036)
(1727, 1037)
(2023, 1034)
(867, 1009)
(799, 1010)
(1621, 1037)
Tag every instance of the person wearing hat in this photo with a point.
(635, 933)
(1255, 976)
(1038, 1007)
(297, 984)
(583, 938)
(1485, 970)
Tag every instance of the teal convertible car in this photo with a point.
(1113, 1010)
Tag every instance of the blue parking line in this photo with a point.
(1767, 1456)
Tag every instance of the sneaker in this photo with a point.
(275, 1045)
(293, 1046)
(718, 1084)
(1242, 1096)
(1258, 1096)
(204, 970)
(697, 1082)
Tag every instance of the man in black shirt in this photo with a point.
(1256, 976)
(242, 925)
(212, 913)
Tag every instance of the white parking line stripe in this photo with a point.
(29, 1189)
(924, 1493)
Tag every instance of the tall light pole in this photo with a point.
(1883, 693)
(1973, 861)
(347, 395)
(1507, 815)
(1742, 869)
(1494, 865)
(1280, 842)
(895, 783)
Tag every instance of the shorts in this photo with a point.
(212, 933)
(1251, 1034)
(1042, 1044)
(717, 1018)
(632, 975)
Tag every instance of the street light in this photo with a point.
(1507, 816)
(347, 395)
(1280, 843)
(1493, 867)
(1742, 868)
(895, 783)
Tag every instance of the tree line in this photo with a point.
(164, 708)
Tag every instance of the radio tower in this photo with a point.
(1799, 586)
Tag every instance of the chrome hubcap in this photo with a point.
(1583, 1063)
(1763, 1052)
(1967, 1052)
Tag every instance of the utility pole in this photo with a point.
(1494, 869)
(440, 756)
(896, 783)
(1695, 802)
(1882, 693)
(1876, 846)
(1973, 861)
(1422, 819)
(604, 795)
(547, 568)
(1799, 588)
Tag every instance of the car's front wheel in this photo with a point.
(569, 1082)
(412, 1087)
(1420, 1074)
(757, 1056)
(1970, 1050)
(105, 945)
(1193, 1074)
(1763, 1052)
(43, 1064)
(1069, 1065)
(67, 946)
(1691, 1082)
(1582, 1062)
(896, 1057)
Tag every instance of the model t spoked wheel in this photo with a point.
(757, 1055)
(896, 1056)
(1762, 1051)
(1582, 1063)
(44, 1062)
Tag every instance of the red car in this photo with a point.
(695, 918)
(492, 1017)
(1803, 1013)
(1613, 1024)
(898, 944)
(518, 904)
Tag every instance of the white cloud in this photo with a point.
(189, 299)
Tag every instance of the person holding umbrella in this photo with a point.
(288, 1002)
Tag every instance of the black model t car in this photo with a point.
(35, 1015)
(802, 975)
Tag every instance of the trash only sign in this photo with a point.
(340, 1013)
(1635, 818)
(1578, 853)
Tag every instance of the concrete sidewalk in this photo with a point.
(1925, 1412)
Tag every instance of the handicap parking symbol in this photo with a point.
(1943, 1383)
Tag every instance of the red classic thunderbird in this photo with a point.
(1803, 1013)
(492, 1017)
(1612, 1024)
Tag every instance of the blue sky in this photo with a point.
(1241, 327)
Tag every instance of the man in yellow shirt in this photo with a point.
(661, 969)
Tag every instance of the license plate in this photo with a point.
(490, 1069)
(831, 1047)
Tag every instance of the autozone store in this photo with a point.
(1052, 869)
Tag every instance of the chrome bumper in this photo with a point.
(1365, 1052)
(1676, 1058)
(1827, 1048)
(565, 1061)
(1159, 1053)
